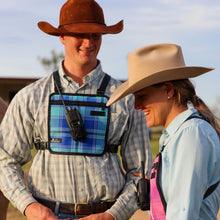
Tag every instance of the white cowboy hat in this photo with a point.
(154, 64)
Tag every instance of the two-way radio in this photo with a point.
(143, 191)
(74, 120)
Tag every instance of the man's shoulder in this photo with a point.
(115, 83)
(127, 102)
(114, 79)
(42, 82)
(36, 88)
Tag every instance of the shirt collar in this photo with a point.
(176, 123)
(90, 77)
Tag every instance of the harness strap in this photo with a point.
(56, 78)
(214, 186)
(211, 189)
(40, 145)
(157, 201)
(100, 90)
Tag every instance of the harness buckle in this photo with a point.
(37, 140)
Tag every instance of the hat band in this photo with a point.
(81, 22)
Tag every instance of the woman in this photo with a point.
(185, 175)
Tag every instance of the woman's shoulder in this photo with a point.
(199, 130)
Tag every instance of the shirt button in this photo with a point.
(87, 78)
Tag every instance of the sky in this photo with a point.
(192, 24)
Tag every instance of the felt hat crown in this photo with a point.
(154, 64)
(81, 16)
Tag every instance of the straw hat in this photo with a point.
(81, 16)
(155, 64)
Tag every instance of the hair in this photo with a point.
(184, 91)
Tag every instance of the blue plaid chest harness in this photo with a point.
(78, 123)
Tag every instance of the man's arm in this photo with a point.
(135, 147)
(15, 150)
(36, 211)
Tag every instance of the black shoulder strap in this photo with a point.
(211, 189)
(214, 186)
(105, 81)
(194, 116)
(56, 78)
(100, 90)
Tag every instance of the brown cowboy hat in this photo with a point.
(81, 16)
(155, 64)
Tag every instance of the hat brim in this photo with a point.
(163, 76)
(80, 28)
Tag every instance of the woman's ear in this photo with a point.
(169, 89)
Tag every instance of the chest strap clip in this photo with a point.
(41, 145)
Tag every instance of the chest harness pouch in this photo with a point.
(78, 123)
(157, 201)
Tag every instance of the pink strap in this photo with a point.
(157, 211)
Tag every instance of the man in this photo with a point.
(77, 179)
(3, 201)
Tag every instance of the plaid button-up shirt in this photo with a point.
(71, 178)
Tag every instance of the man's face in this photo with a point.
(82, 49)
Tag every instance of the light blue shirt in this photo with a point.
(190, 165)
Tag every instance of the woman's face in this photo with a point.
(155, 103)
